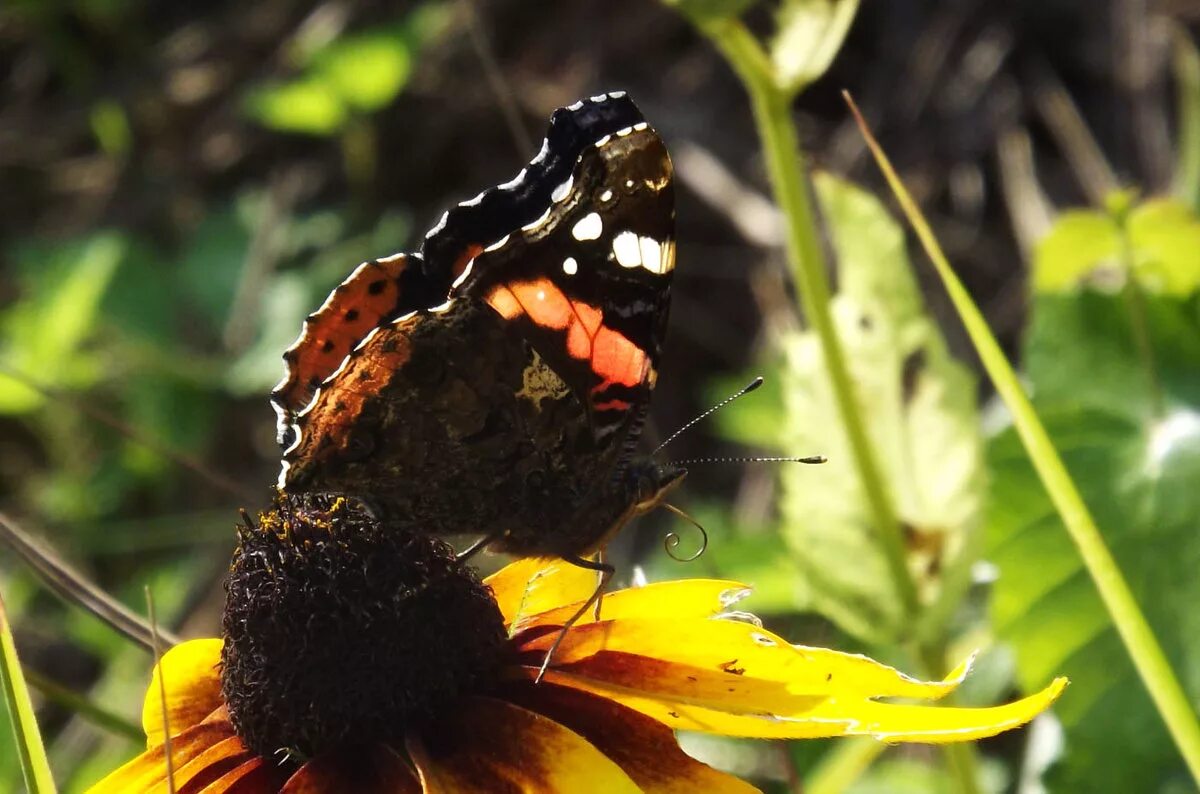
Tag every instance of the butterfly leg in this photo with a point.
(600, 582)
(605, 572)
(476, 547)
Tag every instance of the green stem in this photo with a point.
(785, 165)
(771, 104)
(1143, 647)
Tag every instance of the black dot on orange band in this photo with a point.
(327, 346)
(351, 315)
(376, 287)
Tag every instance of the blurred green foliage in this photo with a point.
(358, 73)
(1155, 242)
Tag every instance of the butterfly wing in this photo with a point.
(585, 268)
(576, 253)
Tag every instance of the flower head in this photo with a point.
(346, 669)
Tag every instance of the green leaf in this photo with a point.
(1165, 238)
(1158, 239)
(32, 753)
(1140, 484)
(308, 105)
(1080, 242)
(367, 71)
(809, 34)
(44, 332)
(924, 428)
(1081, 349)
(1138, 475)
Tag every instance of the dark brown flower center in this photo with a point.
(341, 628)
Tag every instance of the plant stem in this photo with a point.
(771, 104)
(785, 165)
(1140, 642)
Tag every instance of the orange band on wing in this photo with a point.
(612, 356)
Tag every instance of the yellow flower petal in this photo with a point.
(832, 717)
(532, 586)
(723, 664)
(685, 598)
(255, 776)
(486, 745)
(150, 768)
(193, 684)
(644, 748)
(374, 768)
(222, 757)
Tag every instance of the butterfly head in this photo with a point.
(647, 482)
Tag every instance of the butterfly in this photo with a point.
(497, 381)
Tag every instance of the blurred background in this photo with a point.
(180, 184)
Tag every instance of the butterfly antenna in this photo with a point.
(754, 459)
(671, 540)
(742, 392)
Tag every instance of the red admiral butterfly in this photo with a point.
(497, 381)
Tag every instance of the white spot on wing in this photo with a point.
(599, 97)
(542, 152)
(589, 228)
(283, 470)
(616, 94)
(406, 317)
(651, 254)
(496, 246)
(606, 195)
(561, 192)
(603, 140)
(570, 266)
(437, 227)
(625, 247)
(533, 225)
(575, 105)
(514, 182)
(366, 340)
(443, 307)
(311, 404)
(641, 125)
(473, 201)
(621, 133)
(463, 275)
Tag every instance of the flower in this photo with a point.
(665, 656)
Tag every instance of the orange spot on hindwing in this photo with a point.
(610, 355)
